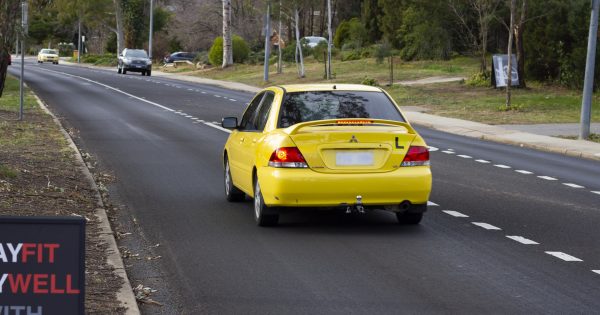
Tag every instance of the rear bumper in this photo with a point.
(307, 188)
(48, 59)
(134, 68)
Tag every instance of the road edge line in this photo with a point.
(125, 294)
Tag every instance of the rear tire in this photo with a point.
(261, 218)
(148, 73)
(409, 218)
(124, 71)
(232, 193)
(118, 70)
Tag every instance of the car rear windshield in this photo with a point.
(48, 51)
(136, 53)
(317, 105)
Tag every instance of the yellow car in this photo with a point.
(326, 145)
(48, 55)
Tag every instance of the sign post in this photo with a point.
(42, 265)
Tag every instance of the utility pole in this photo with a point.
(588, 85)
(79, 39)
(24, 27)
(513, 4)
(267, 41)
(329, 40)
(151, 27)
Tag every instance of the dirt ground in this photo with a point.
(39, 176)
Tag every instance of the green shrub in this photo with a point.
(351, 31)
(369, 81)
(481, 79)
(240, 51)
(289, 52)
(351, 55)
(341, 34)
(320, 51)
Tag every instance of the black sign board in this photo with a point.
(42, 264)
(500, 75)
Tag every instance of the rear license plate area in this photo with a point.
(354, 158)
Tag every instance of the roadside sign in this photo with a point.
(42, 264)
(500, 65)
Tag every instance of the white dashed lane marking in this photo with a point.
(547, 177)
(596, 271)
(522, 240)
(482, 161)
(455, 214)
(448, 152)
(433, 149)
(432, 204)
(486, 226)
(501, 166)
(563, 256)
(596, 192)
(465, 156)
(524, 172)
(573, 185)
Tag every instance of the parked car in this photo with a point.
(48, 55)
(180, 55)
(134, 60)
(313, 41)
(324, 145)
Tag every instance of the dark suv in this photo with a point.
(134, 60)
(180, 55)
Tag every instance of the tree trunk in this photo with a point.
(119, 24)
(227, 43)
(510, 43)
(8, 21)
(519, 30)
(298, 46)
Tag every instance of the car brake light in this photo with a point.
(288, 157)
(416, 156)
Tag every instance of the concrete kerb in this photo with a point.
(125, 295)
(575, 148)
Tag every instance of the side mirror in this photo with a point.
(229, 123)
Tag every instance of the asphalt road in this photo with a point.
(514, 230)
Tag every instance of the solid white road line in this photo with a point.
(522, 240)
(501, 166)
(524, 172)
(563, 256)
(455, 214)
(432, 204)
(547, 177)
(486, 226)
(448, 152)
(465, 156)
(483, 161)
(573, 185)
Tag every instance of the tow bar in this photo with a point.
(358, 206)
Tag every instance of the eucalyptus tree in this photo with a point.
(227, 43)
(9, 12)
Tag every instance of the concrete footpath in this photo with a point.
(534, 138)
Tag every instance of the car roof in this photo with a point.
(329, 87)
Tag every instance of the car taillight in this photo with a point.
(416, 156)
(289, 157)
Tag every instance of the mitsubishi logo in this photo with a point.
(353, 139)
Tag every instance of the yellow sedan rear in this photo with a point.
(333, 146)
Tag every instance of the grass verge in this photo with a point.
(538, 103)
(39, 176)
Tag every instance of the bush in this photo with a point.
(369, 81)
(240, 51)
(320, 52)
(289, 52)
(351, 55)
(481, 79)
(351, 31)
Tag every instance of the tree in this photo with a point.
(513, 4)
(9, 11)
(227, 46)
(484, 12)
